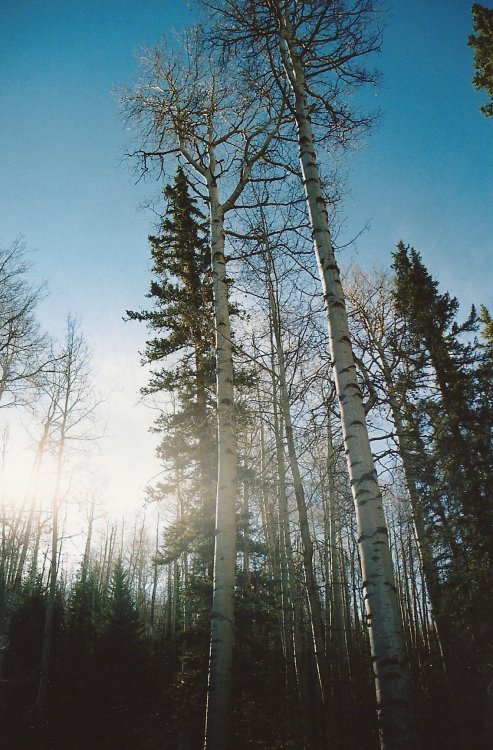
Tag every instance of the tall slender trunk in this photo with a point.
(87, 549)
(292, 605)
(245, 514)
(337, 632)
(33, 573)
(33, 489)
(316, 621)
(396, 725)
(155, 577)
(175, 598)
(107, 561)
(44, 672)
(336, 583)
(207, 462)
(218, 728)
(427, 563)
(168, 605)
(424, 547)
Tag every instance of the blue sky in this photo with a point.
(424, 176)
(63, 185)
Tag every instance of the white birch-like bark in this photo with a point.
(382, 614)
(221, 134)
(219, 700)
(374, 325)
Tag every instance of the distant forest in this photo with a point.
(315, 569)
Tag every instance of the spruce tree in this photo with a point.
(183, 345)
(462, 454)
(484, 376)
(182, 320)
(449, 422)
(182, 295)
(482, 45)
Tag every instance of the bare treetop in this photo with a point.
(330, 40)
(184, 106)
(24, 352)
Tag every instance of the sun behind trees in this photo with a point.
(128, 663)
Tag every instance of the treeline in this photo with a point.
(128, 662)
(425, 376)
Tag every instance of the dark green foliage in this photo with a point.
(447, 404)
(258, 668)
(83, 615)
(120, 648)
(482, 45)
(130, 657)
(110, 689)
(452, 404)
(18, 727)
(487, 332)
(182, 319)
(181, 292)
(431, 321)
(26, 633)
(184, 697)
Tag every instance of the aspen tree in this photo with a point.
(281, 549)
(33, 491)
(315, 47)
(371, 309)
(311, 583)
(69, 396)
(24, 349)
(190, 110)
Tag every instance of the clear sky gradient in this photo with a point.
(425, 175)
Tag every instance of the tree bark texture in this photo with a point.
(219, 699)
(382, 613)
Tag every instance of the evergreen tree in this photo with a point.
(315, 51)
(482, 45)
(26, 634)
(83, 618)
(463, 455)
(123, 630)
(181, 318)
(484, 374)
(487, 331)
(449, 426)
(182, 295)
(122, 674)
